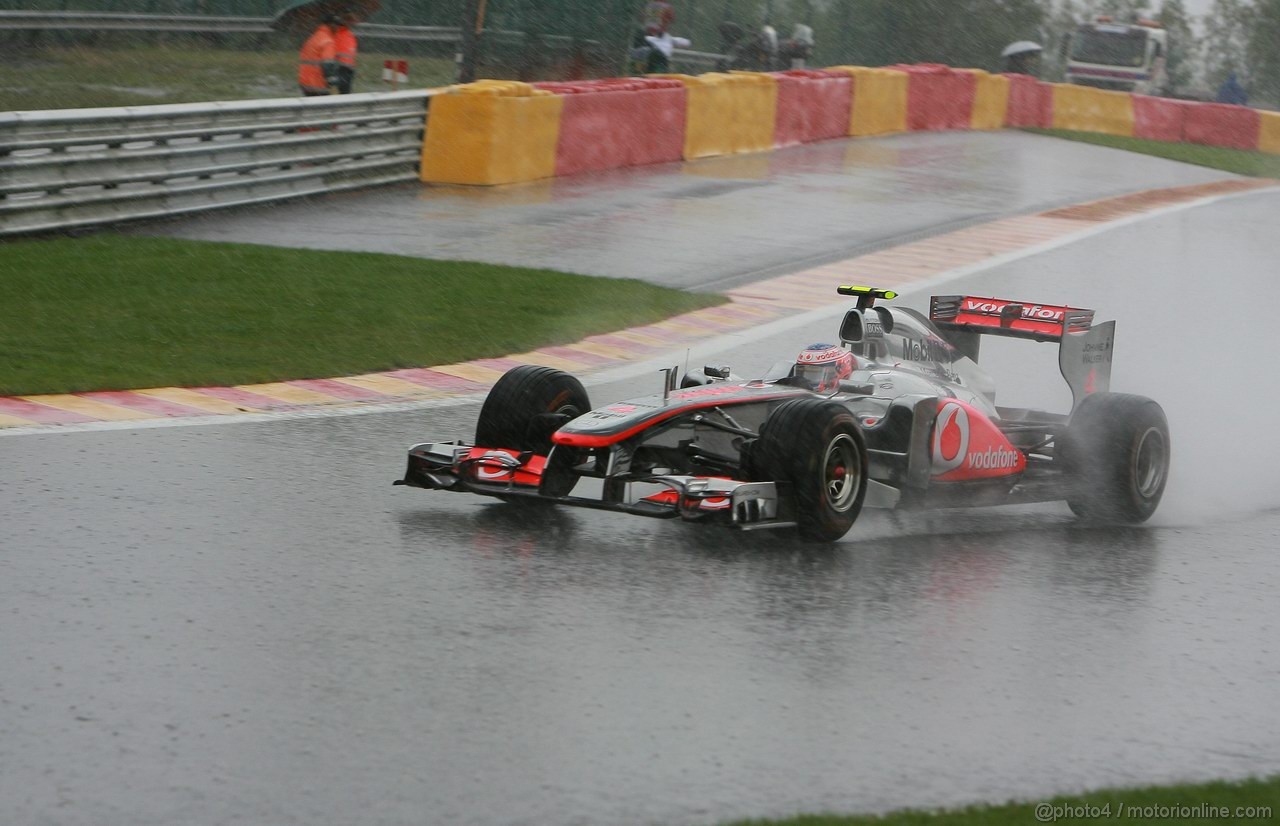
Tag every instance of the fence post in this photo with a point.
(470, 41)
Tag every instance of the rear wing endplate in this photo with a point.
(1084, 348)
(1084, 357)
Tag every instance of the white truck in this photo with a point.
(1126, 57)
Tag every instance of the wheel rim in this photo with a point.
(841, 472)
(570, 410)
(564, 404)
(1149, 463)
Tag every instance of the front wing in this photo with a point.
(510, 474)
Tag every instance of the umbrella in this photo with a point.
(1021, 47)
(304, 15)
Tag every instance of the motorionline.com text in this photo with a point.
(1050, 813)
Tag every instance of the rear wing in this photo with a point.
(996, 316)
(1084, 348)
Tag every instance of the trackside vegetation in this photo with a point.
(183, 70)
(1246, 801)
(1239, 161)
(120, 312)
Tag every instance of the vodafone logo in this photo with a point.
(994, 458)
(950, 438)
(972, 448)
(830, 353)
(1032, 311)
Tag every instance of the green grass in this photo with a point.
(1110, 806)
(116, 312)
(185, 71)
(1239, 161)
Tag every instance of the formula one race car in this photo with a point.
(897, 416)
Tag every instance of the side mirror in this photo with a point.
(707, 375)
(851, 330)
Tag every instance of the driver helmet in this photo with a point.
(821, 366)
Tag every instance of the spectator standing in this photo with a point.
(653, 47)
(768, 38)
(659, 49)
(658, 17)
(799, 48)
(344, 42)
(756, 52)
(1232, 92)
(1022, 58)
(733, 43)
(317, 60)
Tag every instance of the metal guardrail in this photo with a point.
(69, 168)
(198, 24)
(704, 60)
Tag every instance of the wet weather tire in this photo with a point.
(815, 446)
(527, 405)
(1115, 453)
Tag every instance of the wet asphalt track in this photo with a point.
(716, 223)
(248, 624)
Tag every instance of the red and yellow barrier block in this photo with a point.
(491, 132)
(498, 132)
(990, 100)
(1030, 102)
(1084, 109)
(1269, 132)
(1221, 124)
(617, 122)
(1159, 119)
(813, 105)
(728, 113)
(938, 97)
(879, 100)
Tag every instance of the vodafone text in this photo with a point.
(1032, 311)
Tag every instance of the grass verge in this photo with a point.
(116, 312)
(1239, 161)
(184, 71)
(1247, 801)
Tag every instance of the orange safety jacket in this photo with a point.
(344, 42)
(317, 61)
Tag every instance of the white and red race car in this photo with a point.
(898, 415)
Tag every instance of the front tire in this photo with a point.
(527, 405)
(522, 411)
(816, 446)
(1116, 454)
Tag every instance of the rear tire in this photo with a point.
(816, 446)
(527, 405)
(1116, 453)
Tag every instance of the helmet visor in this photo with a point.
(816, 376)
